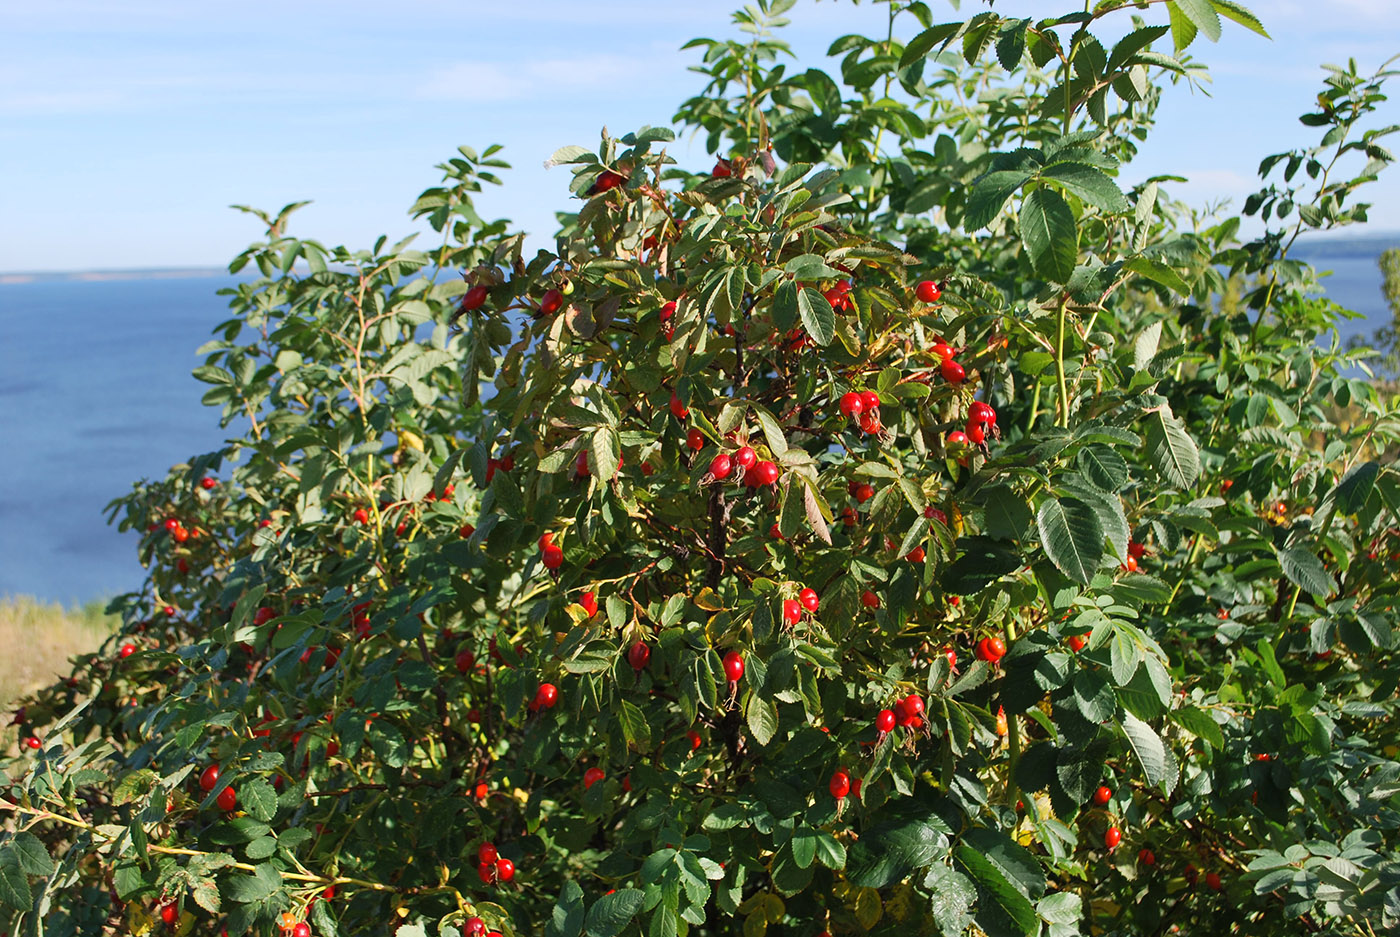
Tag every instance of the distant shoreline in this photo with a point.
(1317, 246)
(167, 273)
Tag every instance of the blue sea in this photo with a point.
(96, 393)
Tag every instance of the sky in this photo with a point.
(127, 129)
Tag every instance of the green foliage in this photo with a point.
(467, 483)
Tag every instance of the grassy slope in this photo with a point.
(42, 638)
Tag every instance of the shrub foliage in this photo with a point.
(493, 614)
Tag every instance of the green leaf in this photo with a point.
(804, 846)
(989, 196)
(810, 267)
(1062, 907)
(1355, 487)
(999, 902)
(1183, 30)
(1306, 571)
(1008, 516)
(258, 798)
(1234, 11)
(1104, 468)
(1147, 746)
(1072, 536)
(1089, 183)
(1013, 860)
(762, 718)
(31, 854)
(1200, 724)
(566, 920)
(570, 154)
(982, 562)
(818, 318)
(611, 913)
(1132, 43)
(1011, 43)
(1158, 272)
(14, 884)
(887, 853)
(1049, 234)
(1172, 449)
(634, 725)
(262, 884)
(919, 47)
(830, 852)
(1094, 696)
(1202, 15)
(953, 894)
(1146, 344)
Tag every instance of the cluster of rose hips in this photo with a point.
(839, 297)
(1136, 551)
(492, 867)
(806, 600)
(991, 649)
(209, 779)
(758, 473)
(291, 927)
(908, 713)
(864, 408)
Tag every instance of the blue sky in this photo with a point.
(126, 129)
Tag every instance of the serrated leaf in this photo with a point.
(952, 895)
(31, 854)
(1306, 571)
(634, 725)
(1147, 746)
(1072, 535)
(259, 799)
(1062, 907)
(566, 919)
(1089, 183)
(812, 504)
(804, 846)
(1202, 15)
(1355, 487)
(612, 913)
(1200, 724)
(1008, 516)
(817, 316)
(999, 902)
(1240, 14)
(1146, 344)
(1172, 449)
(830, 851)
(604, 453)
(1103, 467)
(990, 195)
(14, 884)
(1094, 695)
(1014, 861)
(887, 853)
(762, 718)
(1049, 234)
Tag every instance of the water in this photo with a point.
(96, 393)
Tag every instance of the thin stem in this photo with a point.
(1013, 735)
(1063, 420)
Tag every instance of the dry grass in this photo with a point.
(41, 639)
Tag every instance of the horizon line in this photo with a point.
(13, 277)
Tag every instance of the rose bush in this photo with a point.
(896, 528)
